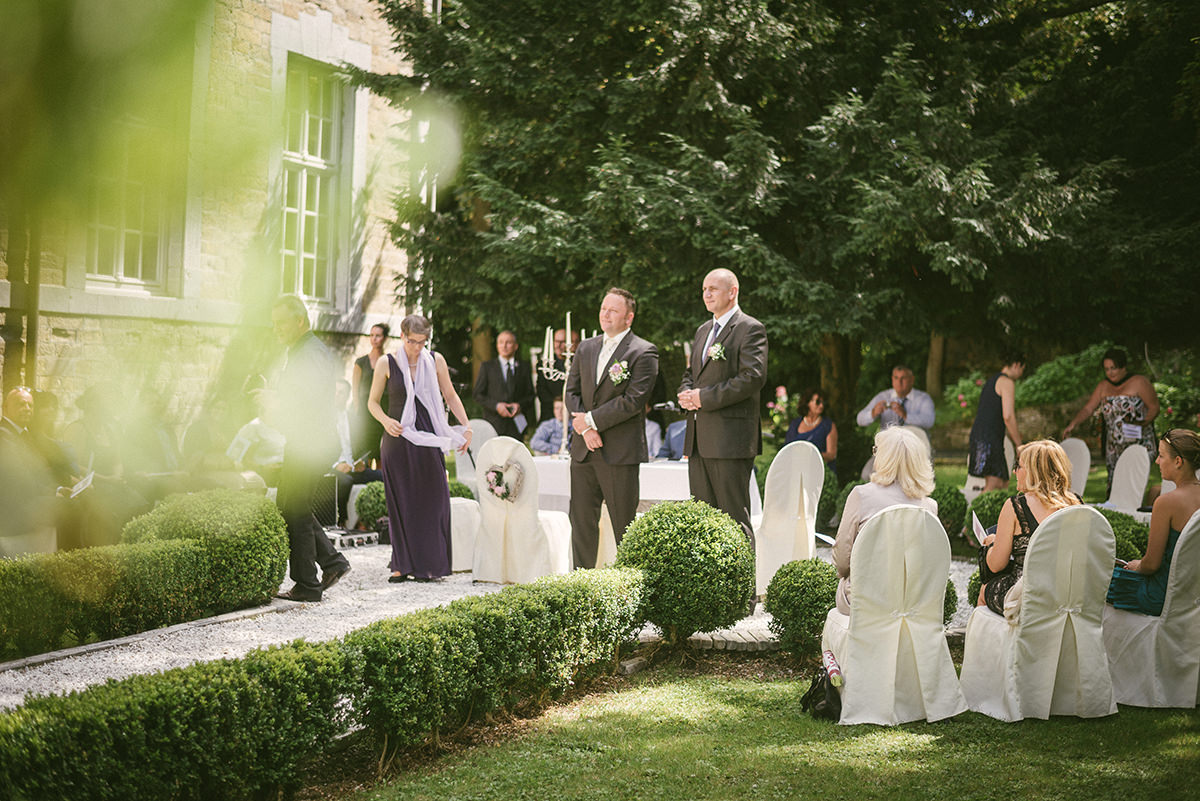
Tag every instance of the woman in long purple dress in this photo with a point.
(414, 469)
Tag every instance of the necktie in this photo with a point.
(508, 372)
(712, 338)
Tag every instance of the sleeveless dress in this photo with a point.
(1118, 411)
(817, 436)
(418, 498)
(1143, 592)
(368, 432)
(986, 445)
(998, 583)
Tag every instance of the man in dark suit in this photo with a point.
(302, 406)
(720, 390)
(505, 389)
(611, 377)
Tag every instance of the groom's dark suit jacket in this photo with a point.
(727, 425)
(619, 410)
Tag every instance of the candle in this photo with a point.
(568, 329)
(546, 351)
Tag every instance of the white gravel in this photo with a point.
(362, 597)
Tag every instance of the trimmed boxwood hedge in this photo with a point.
(460, 490)
(1131, 536)
(799, 597)
(987, 506)
(243, 728)
(952, 508)
(371, 504)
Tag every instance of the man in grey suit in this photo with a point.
(720, 390)
(610, 380)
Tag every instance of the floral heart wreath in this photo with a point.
(499, 486)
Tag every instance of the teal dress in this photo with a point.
(1143, 592)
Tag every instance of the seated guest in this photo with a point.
(1141, 585)
(1044, 483)
(258, 446)
(43, 437)
(815, 427)
(347, 470)
(672, 446)
(903, 475)
(899, 406)
(547, 440)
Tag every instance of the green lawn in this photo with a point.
(672, 736)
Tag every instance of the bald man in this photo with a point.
(720, 392)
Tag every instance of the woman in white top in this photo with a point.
(903, 475)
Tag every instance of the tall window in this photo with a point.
(310, 178)
(126, 207)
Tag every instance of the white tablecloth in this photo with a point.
(659, 481)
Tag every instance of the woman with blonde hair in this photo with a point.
(1043, 483)
(1141, 585)
(903, 476)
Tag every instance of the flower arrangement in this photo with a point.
(499, 486)
(716, 351)
(618, 371)
(781, 412)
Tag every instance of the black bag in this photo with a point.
(822, 699)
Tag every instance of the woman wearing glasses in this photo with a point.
(1043, 483)
(1141, 585)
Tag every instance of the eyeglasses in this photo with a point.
(418, 342)
(1017, 467)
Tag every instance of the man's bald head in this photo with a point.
(18, 406)
(720, 291)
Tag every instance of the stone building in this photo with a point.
(254, 170)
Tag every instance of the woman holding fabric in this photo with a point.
(903, 475)
(1141, 585)
(414, 469)
(1044, 483)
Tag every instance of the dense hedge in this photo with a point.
(827, 505)
(1131, 536)
(244, 539)
(987, 506)
(699, 569)
(242, 729)
(799, 597)
(952, 508)
(371, 504)
(460, 490)
(192, 556)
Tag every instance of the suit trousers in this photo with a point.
(725, 485)
(594, 481)
(309, 544)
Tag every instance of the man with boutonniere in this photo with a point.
(610, 381)
(720, 392)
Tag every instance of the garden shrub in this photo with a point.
(987, 506)
(371, 504)
(962, 398)
(798, 599)
(1064, 379)
(460, 490)
(244, 537)
(973, 586)
(698, 566)
(828, 502)
(1131, 536)
(63, 599)
(950, 605)
(952, 508)
(232, 729)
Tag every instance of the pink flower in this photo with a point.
(963, 404)
(771, 405)
(1170, 410)
(962, 397)
(979, 382)
(781, 392)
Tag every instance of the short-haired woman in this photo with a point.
(903, 475)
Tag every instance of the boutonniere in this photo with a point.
(618, 371)
(716, 351)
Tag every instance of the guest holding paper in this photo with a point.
(505, 389)
(547, 440)
(1141, 585)
(411, 455)
(903, 475)
(1128, 405)
(1044, 483)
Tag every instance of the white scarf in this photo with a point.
(425, 387)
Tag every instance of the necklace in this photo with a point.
(811, 421)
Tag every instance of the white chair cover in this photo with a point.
(1155, 660)
(787, 527)
(516, 543)
(481, 432)
(1081, 462)
(1051, 662)
(1129, 479)
(464, 524)
(892, 647)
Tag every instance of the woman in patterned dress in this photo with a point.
(1128, 405)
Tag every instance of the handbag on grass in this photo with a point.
(822, 699)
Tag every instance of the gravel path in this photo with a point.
(362, 597)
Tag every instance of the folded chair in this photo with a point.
(1050, 659)
(786, 529)
(516, 542)
(892, 647)
(1155, 660)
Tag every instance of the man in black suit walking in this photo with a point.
(610, 380)
(720, 390)
(505, 389)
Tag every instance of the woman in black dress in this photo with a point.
(995, 416)
(368, 432)
(415, 437)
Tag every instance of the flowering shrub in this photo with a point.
(962, 398)
(781, 412)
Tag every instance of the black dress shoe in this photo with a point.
(297, 594)
(400, 579)
(333, 576)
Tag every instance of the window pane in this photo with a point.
(150, 258)
(132, 252)
(106, 252)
